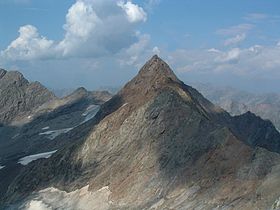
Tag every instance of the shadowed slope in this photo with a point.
(157, 144)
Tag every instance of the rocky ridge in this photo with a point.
(18, 97)
(157, 144)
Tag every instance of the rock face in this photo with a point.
(18, 97)
(157, 144)
(40, 122)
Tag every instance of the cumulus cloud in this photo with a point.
(81, 21)
(235, 40)
(92, 28)
(28, 45)
(255, 61)
(134, 12)
(131, 55)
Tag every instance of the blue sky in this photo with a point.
(95, 43)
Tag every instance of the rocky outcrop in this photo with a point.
(30, 134)
(45, 129)
(18, 97)
(157, 144)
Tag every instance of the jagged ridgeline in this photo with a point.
(18, 97)
(157, 144)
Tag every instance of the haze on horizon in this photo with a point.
(95, 43)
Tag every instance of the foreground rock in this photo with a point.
(157, 144)
(35, 122)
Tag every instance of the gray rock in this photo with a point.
(157, 144)
(18, 97)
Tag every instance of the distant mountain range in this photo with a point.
(156, 144)
(238, 102)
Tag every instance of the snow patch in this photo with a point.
(37, 205)
(30, 158)
(55, 133)
(82, 199)
(1, 167)
(124, 105)
(90, 113)
(15, 136)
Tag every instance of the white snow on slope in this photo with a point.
(55, 133)
(82, 199)
(90, 113)
(1, 167)
(15, 136)
(30, 158)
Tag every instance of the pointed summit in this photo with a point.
(157, 68)
(152, 78)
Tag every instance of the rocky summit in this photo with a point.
(18, 97)
(156, 144)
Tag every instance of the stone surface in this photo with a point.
(159, 144)
(18, 97)
(23, 127)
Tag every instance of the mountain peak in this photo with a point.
(157, 68)
(153, 77)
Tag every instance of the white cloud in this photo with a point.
(234, 30)
(254, 62)
(229, 56)
(28, 45)
(235, 40)
(93, 28)
(156, 50)
(213, 50)
(132, 54)
(81, 20)
(134, 12)
(255, 17)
